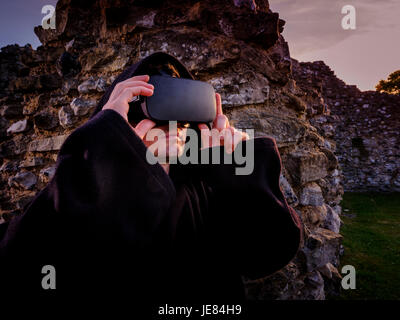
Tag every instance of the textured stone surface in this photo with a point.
(31, 162)
(307, 166)
(66, 116)
(19, 126)
(315, 282)
(47, 144)
(332, 221)
(288, 191)
(239, 89)
(24, 179)
(45, 119)
(322, 247)
(91, 85)
(311, 195)
(332, 279)
(365, 126)
(47, 173)
(82, 107)
(314, 216)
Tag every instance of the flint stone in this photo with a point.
(47, 174)
(23, 179)
(82, 107)
(314, 216)
(47, 144)
(311, 195)
(307, 166)
(332, 280)
(238, 90)
(147, 21)
(288, 192)
(32, 162)
(15, 146)
(332, 221)
(332, 159)
(329, 271)
(19, 126)
(322, 247)
(315, 282)
(66, 116)
(92, 85)
(9, 166)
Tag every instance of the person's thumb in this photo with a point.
(143, 127)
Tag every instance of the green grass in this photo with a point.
(371, 238)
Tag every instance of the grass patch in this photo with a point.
(371, 239)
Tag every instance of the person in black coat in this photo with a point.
(110, 222)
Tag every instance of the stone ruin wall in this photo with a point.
(365, 126)
(234, 45)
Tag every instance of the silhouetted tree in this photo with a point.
(391, 85)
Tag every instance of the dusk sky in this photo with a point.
(362, 56)
(313, 30)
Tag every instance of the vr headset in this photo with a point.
(180, 99)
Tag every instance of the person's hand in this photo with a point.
(123, 93)
(222, 133)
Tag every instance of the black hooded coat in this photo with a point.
(110, 222)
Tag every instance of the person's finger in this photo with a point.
(122, 85)
(144, 77)
(228, 140)
(203, 126)
(138, 83)
(218, 109)
(205, 135)
(128, 93)
(134, 84)
(245, 136)
(237, 138)
(219, 103)
(143, 127)
(240, 134)
(231, 142)
(221, 122)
